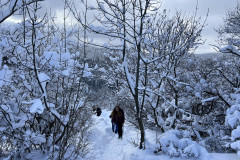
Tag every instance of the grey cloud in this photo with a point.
(217, 10)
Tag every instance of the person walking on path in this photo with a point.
(118, 119)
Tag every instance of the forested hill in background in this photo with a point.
(98, 53)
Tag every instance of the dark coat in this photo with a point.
(118, 117)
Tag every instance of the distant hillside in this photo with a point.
(210, 55)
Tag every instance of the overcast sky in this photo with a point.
(217, 10)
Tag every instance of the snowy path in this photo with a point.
(107, 146)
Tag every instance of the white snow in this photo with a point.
(223, 156)
(233, 119)
(87, 71)
(43, 78)
(96, 66)
(65, 56)
(36, 138)
(177, 143)
(197, 94)
(64, 118)
(87, 74)
(103, 70)
(107, 146)
(6, 108)
(209, 99)
(236, 145)
(65, 72)
(128, 75)
(229, 49)
(28, 86)
(236, 133)
(5, 75)
(36, 107)
(21, 121)
(81, 103)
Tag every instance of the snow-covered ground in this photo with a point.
(107, 146)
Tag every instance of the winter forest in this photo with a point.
(178, 104)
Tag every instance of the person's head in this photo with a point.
(117, 108)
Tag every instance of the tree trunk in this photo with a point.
(138, 107)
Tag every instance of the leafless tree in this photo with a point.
(64, 123)
(146, 43)
(10, 7)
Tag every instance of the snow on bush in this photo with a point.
(178, 144)
(5, 75)
(37, 106)
(233, 119)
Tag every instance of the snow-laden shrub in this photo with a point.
(43, 111)
(178, 144)
(233, 119)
